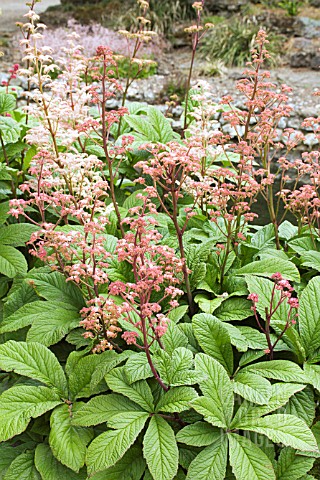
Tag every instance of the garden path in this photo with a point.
(13, 11)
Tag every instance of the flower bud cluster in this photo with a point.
(156, 276)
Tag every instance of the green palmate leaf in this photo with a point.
(252, 387)
(265, 268)
(175, 370)
(54, 328)
(311, 259)
(291, 338)
(236, 338)
(280, 395)
(211, 462)
(161, 125)
(177, 399)
(10, 130)
(8, 453)
(110, 360)
(217, 404)
(130, 466)
(255, 339)
(35, 361)
(14, 151)
(4, 186)
(23, 468)
(68, 442)
(178, 313)
(279, 370)
(213, 339)
(272, 254)
(110, 243)
(12, 262)
(160, 449)
(19, 296)
(313, 375)
(21, 403)
(292, 466)
(186, 456)
(263, 443)
(210, 411)
(206, 305)
(133, 201)
(287, 429)
(142, 126)
(309, 315)
(7, 102)
(302, 405)
(82, 372)
(198, 434)
(174, 338)
(187, 329)
(301, 245)
(5, 174)
(234, 309)
(137, 368)
(139, 392)
(136, 107)
(76, 338)
(316, 432)
(4, 209)
(102, 408)
(49, 467)
(95, 150)
(16, 234)
(196, 256)
(74, 358)
(120, 420)
(53, 286)
(248, 461)
(263, 238)
(109, 447)
(250, 356)
(287, 230)
(39, 312)
(180, 475)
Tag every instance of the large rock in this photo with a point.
(277, 21)
(78, 2)
(304, 53)
(227, 5)
(307, 27)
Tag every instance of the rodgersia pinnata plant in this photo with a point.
(149, 328)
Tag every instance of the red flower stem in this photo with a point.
(147, 350)
(105, 147)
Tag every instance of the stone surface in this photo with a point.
(220, 5)
(303, 53)
(307, 27)
(13, 11)
(311, 140)
(277, 21)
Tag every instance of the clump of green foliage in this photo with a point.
(163, 14)
(292, 7)
(232, 41)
